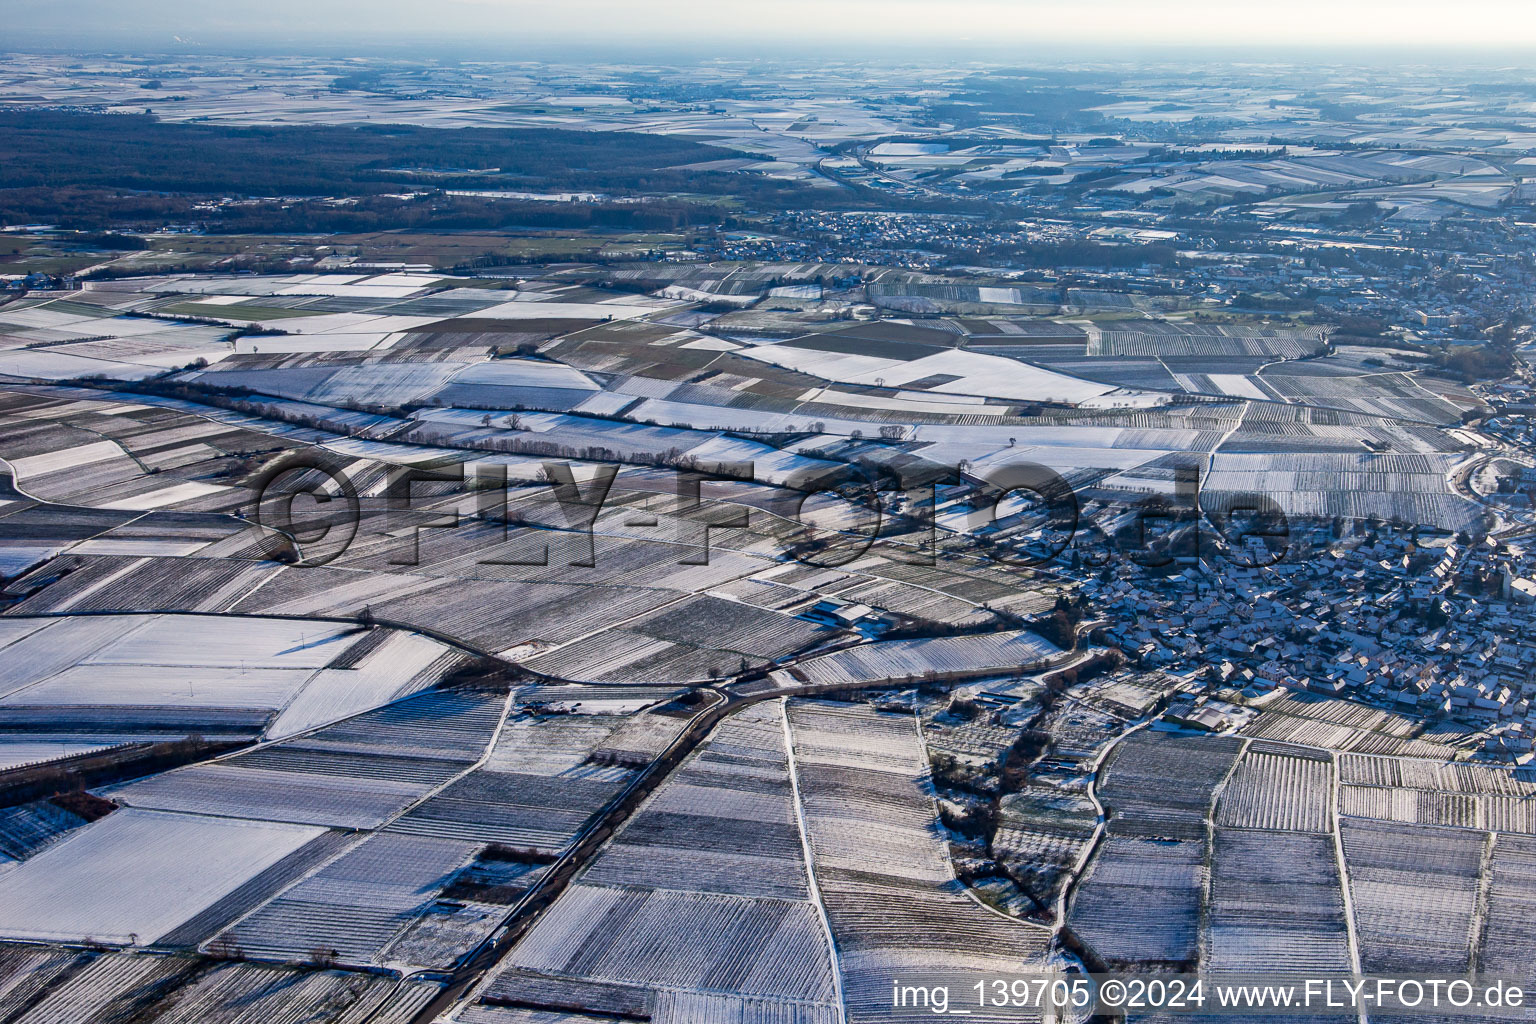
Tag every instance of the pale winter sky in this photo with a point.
(1503, 25)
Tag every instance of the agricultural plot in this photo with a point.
(330, 800)
(735, 391)
(1433, 807)
(385, 667)
(453, 926)
(657, 938)
(354, 907)
(1276, 906)
(522, 997)
(107, 988)
(363, 286)
(1312, 720)
(127, 456)
(27, 828)
(517, 384)
(948, 373)
(701, 895)
(1037, 849)
(132, 583)
(1427, 792)
(1296, 430)
(1389, 395)
(93, 988)
(326, 592)
(1160, 785)
(125, 878)
(1082, 728)
(28, 972)
(1278, 791)
(256, 994)
(1130, 372)
(384, 384)
(107, 673)
(1167, 339)
(882, 870)
(359, 773)
(1437, 774)
(680, 640)
(183, 440)
(559, 435)
(925, 658)
(528, 811)
(602, 701)
(639, 740)
(724, 822)
(1414, 892)
(559, 617)
(1508, 941)
(256, 890)
(59, 340)
(421, 891)
(553, 745)
(937, 295)
(1140, 902)
(38, 648)
(1415, 488)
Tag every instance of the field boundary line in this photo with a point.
(810, 864)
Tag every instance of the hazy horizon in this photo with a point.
(981, 27)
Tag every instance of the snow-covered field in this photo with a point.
(128, 878)
(386, 674)
(204, 661)
(969, 373)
